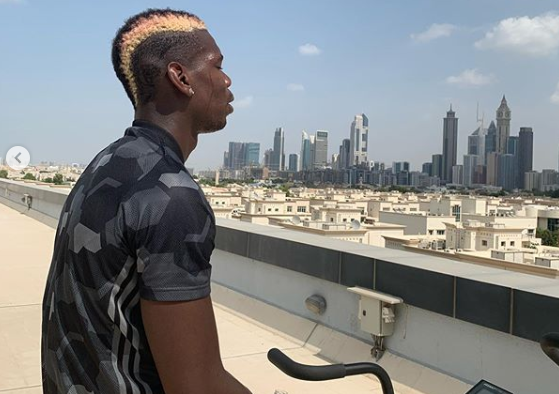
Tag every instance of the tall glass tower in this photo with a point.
(450, 144)
(359, 140)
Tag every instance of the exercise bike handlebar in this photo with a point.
(550, 346)
(328, 372)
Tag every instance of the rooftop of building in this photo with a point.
(244, 340)
(458, 323)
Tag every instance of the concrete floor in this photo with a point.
(25, 253)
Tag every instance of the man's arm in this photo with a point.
(184, 343)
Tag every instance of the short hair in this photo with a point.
(145, 41)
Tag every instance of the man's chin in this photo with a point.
(214, 127)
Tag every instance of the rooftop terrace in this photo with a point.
(25, 253)
(459, 321)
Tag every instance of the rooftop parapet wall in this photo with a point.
(514, 303)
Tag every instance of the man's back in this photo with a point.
(135, 225)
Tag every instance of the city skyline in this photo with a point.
(399, 81)
(496, 138)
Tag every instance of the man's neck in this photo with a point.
(179, 129)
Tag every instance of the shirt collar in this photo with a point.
(159, 135)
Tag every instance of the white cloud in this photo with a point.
(555, 96)
(435, 31)
(295, 87)
(244, 102)
(309, 50)
(470, 78)
(538, 36)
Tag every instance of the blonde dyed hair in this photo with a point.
(137, 30)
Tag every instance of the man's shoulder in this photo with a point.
(167, 197)
(167, 183)
(132, 159)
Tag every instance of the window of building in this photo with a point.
(301, 209)
(345, 220)
(386, 209)
(259, 209)
(484, 243)
(503, 243)
(430, 232)
(456, 209)
(440, 232)
(277, 209)
(511, 243)
(289, 209)
(553, 224)
(413, 209)
(269, 209)
(331, 219)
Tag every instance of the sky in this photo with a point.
(300, 65)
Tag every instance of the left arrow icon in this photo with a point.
(18, 157)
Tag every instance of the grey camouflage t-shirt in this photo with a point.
(135, 225)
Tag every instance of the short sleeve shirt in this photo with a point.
(135, 225)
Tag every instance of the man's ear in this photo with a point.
(178, 76)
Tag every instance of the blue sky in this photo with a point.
(400, 62)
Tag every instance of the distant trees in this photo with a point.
(549, 238)
(58, 179)
(29, 176)
(3, 174)
(206, 182)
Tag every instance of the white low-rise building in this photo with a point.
(418, 223)
(477, 236)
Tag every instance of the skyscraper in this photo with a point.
(512, 149)
(399, 166)
(476, 143)
(278, 155)
(525, 153)
(236, 155)
(321, 149)
(427, 168)
(458, 174)
(450, 144)
(335, 161)
(437, 168)
(307, 160)
(241, 154)
(294, 162)
(470, 164)
(344, 157)
(359, 140)
(493, 161)
(226, 159)
(507, 172)
(503, 126)
(268, 158)
(252, 154)
(490, 140)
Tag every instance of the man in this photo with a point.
(127, 306)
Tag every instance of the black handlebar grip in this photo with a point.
(550, 346)
(305, 372)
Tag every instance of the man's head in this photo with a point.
(168, 59)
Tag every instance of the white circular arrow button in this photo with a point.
(18, 158)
